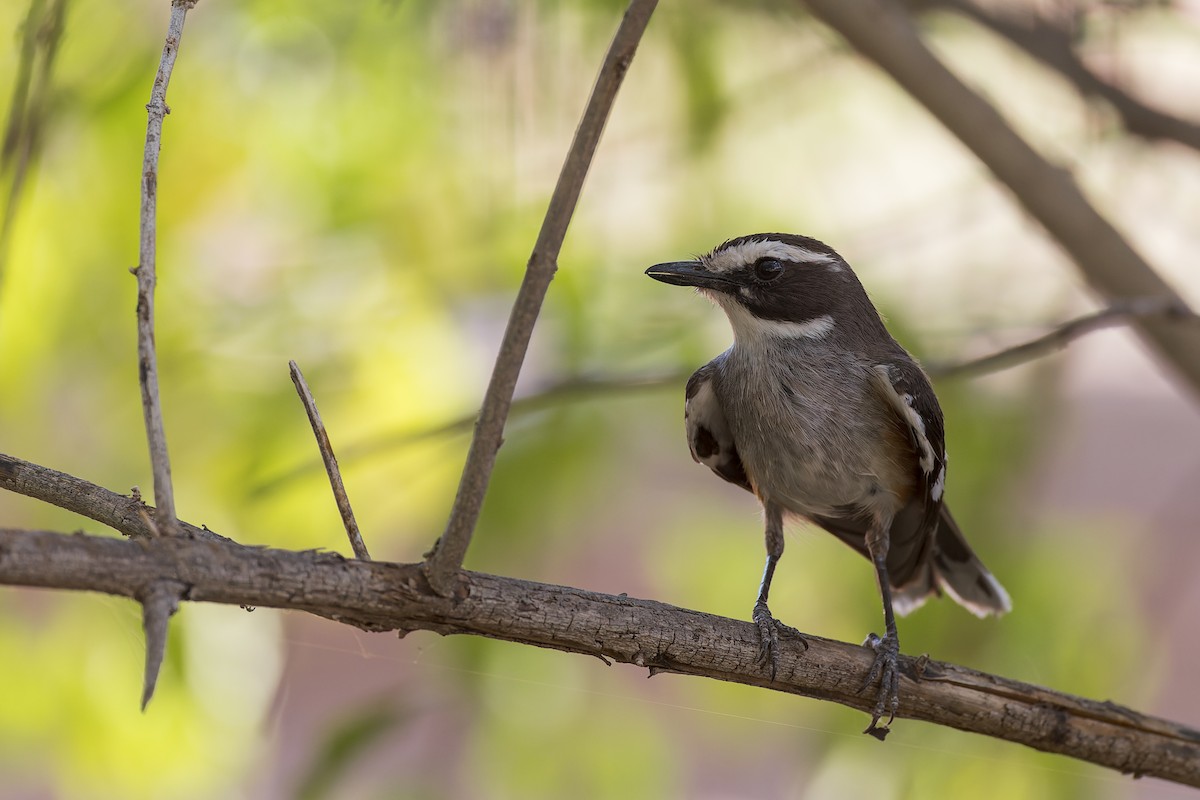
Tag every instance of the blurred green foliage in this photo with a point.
(357, 187)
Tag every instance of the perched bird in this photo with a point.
(820, 413)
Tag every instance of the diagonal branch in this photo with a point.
(1051, 45)
(1119, 313)
(129, 515)
(331, 465)
(656, 636)
(156, 111)
(450, 550)
(883, 33)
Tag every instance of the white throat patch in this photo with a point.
(741, 255)
(751, 330)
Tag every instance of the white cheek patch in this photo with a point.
(746, 253)
(817, 328)
(749, 329)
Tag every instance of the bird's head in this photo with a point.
(777, 285)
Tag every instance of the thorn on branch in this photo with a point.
(331, 465)
(159, 602)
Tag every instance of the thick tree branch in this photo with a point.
(1051, 45)
(884, 33)
(450, 550)
(648, 634)
(156, 112)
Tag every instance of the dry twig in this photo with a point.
(331, 464)
(1118, 313)
(450, 550)
(156, 111)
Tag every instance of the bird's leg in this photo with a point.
(887, 650)
(769, 628)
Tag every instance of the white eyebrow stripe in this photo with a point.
(746, 253)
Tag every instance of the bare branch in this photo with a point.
(1051, 45)
(1119, 313)
(652, 635)
(331, 464)
(160, 601)
(129, 515)
(156, 112)
(450, 550)
(883, 32)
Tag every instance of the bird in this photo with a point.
(826, 418)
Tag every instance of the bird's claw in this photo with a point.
(886, 670)
(769, 629)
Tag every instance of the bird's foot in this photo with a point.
(886, 670)
(769, 629)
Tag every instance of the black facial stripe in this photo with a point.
(803, 292)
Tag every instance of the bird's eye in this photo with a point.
(768, 269)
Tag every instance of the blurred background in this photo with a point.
(358, 186)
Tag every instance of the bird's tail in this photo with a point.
(953, 567)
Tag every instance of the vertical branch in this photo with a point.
(447, 556)
(164, 495)
(331, 465)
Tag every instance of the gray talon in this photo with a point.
(769, 629)
(886, 670)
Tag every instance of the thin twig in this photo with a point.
(883, 32)
(1119, 313)
(160, 600)
(331, 464)
(564, 391)
(651, 635)
(156, 112)
(450, 550)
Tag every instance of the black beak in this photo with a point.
(691, 273)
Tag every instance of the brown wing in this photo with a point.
(907, 394)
